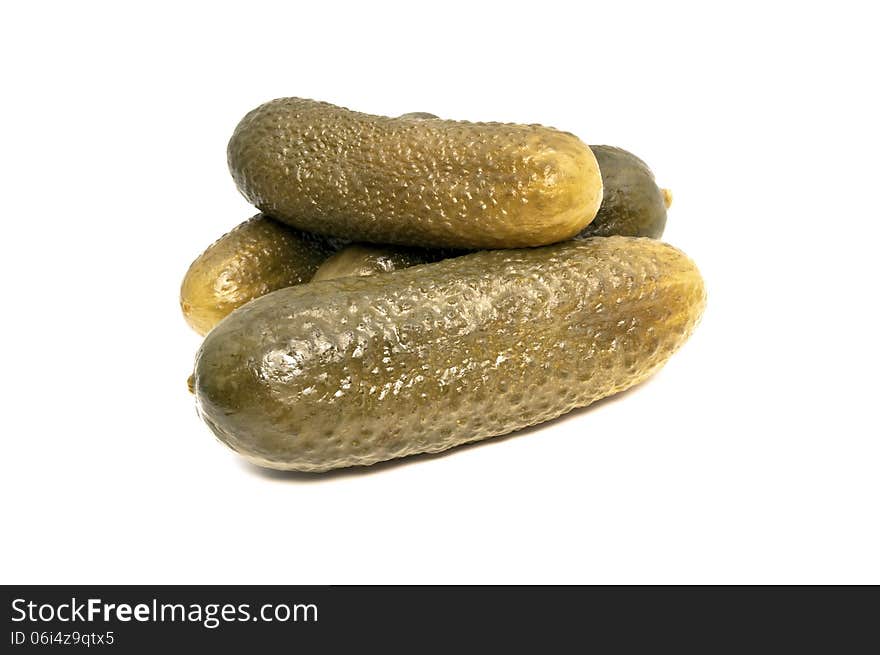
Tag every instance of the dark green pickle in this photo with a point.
(358, 370)
(632, 203)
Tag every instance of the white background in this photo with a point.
(751, 458)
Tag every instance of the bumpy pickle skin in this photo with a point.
(359, 370)
(361, 259)
(256, 257)
(413, 180)
(632, 203)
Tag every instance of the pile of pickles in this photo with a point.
(412, 284)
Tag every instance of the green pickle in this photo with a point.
(632, 203)
(365, 259)
(359, 370)
(256, 257)
(414, 180)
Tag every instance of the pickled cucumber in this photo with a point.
(258, 256)
(632, 203)
(358, 370)
(366, 259)
(418, 182)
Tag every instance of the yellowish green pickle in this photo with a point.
(258, 256)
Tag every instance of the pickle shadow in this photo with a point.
(414, 460)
